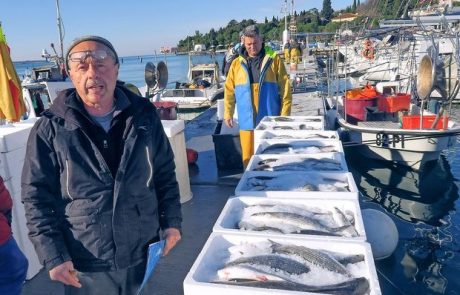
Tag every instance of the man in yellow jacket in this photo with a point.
(258, 85)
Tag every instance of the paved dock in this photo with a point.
(211, 188)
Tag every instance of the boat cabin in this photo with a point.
(38, 96)
(204, 72)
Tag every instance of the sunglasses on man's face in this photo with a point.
(98, 56)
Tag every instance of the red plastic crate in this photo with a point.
(413, 122)
(393, 103)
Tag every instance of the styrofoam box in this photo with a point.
(14, 136)
(215, 254)
(294, 134)
(242, 188)
(233, 211)
(298, 119)
(315, 126)
(172, 127)
(336, 145)
(11, 163)
(339, 157)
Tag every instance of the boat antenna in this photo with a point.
(61, 33)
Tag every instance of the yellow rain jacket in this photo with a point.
(272, 92)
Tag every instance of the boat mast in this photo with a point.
(61, 35)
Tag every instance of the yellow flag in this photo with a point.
(11, 101)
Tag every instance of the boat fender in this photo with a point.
(381, 233)
(368, 53)
(192, 156)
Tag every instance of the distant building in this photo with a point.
(345, 17)
(199, 47)
(167, 49)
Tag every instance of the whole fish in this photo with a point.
(274, 262)
(282, 119)
(324, 164)
(283, 128)
(246, 272)
(297, 220)
(277, 148)
(312, 256)
(358, 286)
(343, 221)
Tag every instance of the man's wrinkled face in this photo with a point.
(253, 45)
(93, 71)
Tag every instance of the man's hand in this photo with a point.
(66, 274)
(171, 236)
(229, 122)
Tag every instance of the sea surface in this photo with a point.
(132, 68)
(424, 205)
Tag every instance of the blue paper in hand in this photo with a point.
(154, 254)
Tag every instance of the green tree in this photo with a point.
(327, 11)
(353, 7)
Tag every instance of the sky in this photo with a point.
(135, 27)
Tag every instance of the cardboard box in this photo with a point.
(288, 181)
(289, 162)
(233, 212)
(215, 254)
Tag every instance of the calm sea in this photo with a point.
(132, 67)
(423, 205)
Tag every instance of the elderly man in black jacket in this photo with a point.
(99, 182)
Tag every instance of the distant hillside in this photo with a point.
(313, 20)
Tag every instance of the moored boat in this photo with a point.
(393, 127)
(204, 87)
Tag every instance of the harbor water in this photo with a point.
(424, 205)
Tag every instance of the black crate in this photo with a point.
(228, 150)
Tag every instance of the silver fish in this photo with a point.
(282, 119)
(343, 221)
(358, 286)
(297, 220)
(246, 272)
(274, 262)
(312, 256)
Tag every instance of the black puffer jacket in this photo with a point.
(75, 209)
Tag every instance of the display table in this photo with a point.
(174, 130)
(13, 141)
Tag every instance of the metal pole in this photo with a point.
(61, 37)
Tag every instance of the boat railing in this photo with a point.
(183, 93)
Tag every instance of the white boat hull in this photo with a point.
(408, 150)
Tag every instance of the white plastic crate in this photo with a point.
(215, 254)
(287, 181)
(305, 126)
(233, 212)
(301, 146)
(285, 162)
(294, 134)
(14, 136)
(11, 163)
(293, 119)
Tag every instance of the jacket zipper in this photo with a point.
(68, 178)
(147, 153)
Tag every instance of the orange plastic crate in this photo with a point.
(393, 103)
(413, 122)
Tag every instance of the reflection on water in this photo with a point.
(425, 196)
(422, 204)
